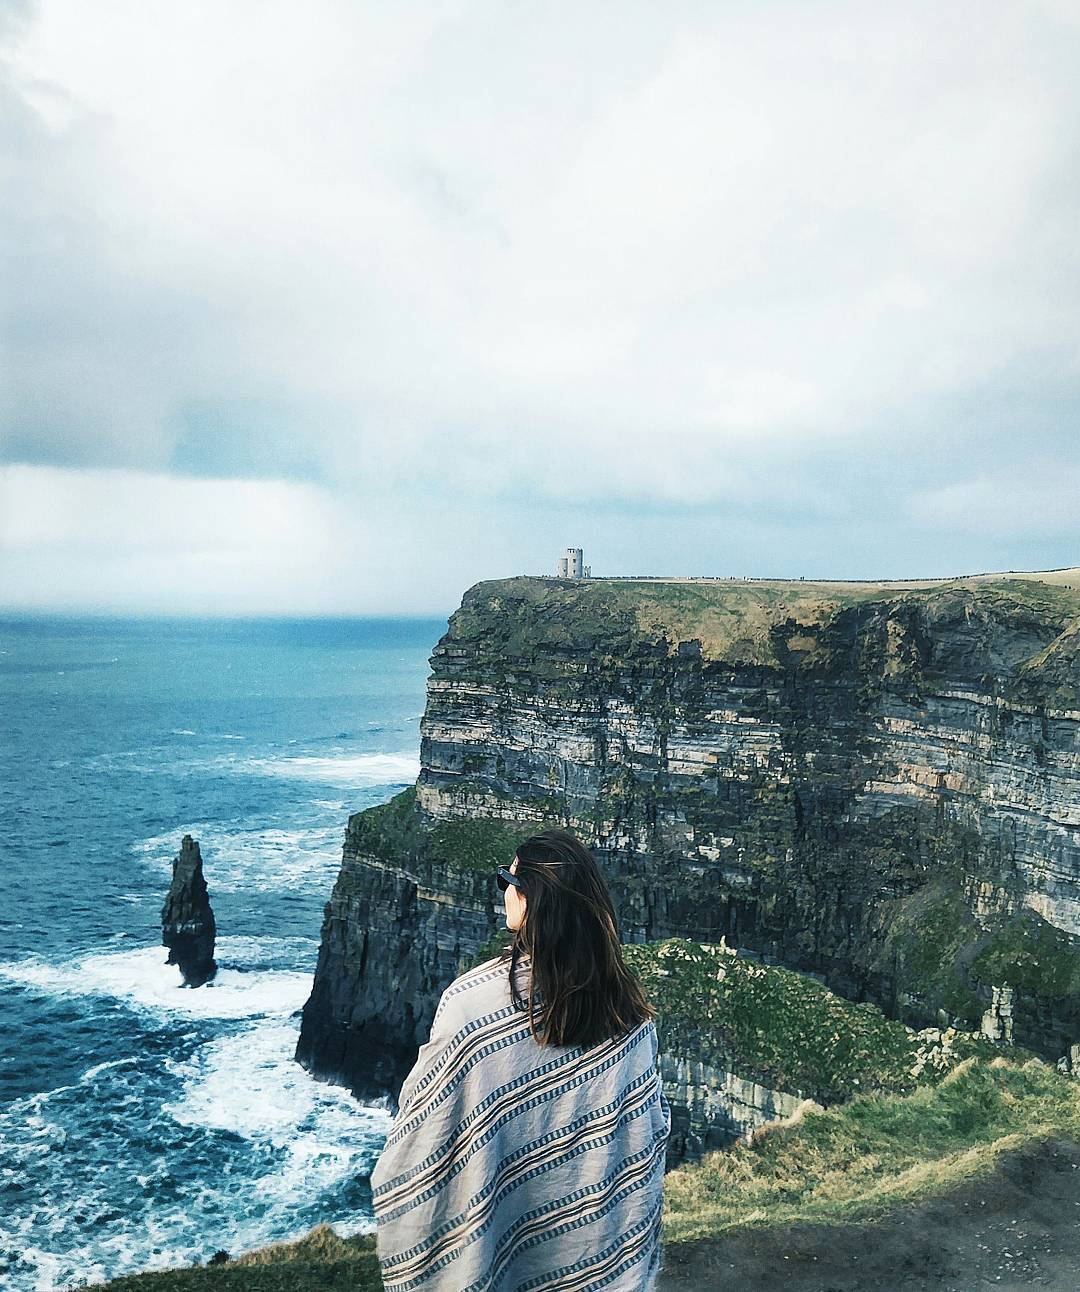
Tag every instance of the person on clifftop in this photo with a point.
(530, 1137)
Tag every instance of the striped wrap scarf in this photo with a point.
(514, 1167)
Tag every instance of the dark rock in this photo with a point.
(187, 920)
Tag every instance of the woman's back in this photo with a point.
(512, 1166)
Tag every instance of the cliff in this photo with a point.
(876, 784)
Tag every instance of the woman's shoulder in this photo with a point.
(482, 983)
(481, 990)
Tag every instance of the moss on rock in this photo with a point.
(391, 830)
(479, 844)
(777, 1026)
(1030, 953)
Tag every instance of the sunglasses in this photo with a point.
(504, 879)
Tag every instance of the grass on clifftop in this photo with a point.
(320, 1262)
(857, 1160)
(531, 618)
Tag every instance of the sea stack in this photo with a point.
(187, 920)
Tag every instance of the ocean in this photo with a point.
(144, 1125)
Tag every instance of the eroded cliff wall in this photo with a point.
(878, 784)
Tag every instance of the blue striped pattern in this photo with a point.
(514, 1167)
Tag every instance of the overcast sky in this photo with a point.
(338, 307)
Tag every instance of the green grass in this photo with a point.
(858, 1160)
(321, 1262)
(535, 620)
(927, 935)
(936, 948)
(479, 843)
(785, 1029)
(1029, 952)
(391, 830)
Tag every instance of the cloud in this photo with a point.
(135, 542)
(798, 264)
(1040, 504)
(126, 538)
(126, 541)
(733, 225)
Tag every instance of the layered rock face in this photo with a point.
(877, 784)
(187, 920)
(711, 1108)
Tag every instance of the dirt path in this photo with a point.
(1018, 1227)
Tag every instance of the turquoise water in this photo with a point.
(143, 1125)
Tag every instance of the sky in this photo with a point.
(341, 307)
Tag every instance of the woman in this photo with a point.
(528, 1147)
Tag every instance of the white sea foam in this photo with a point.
(304, 1143)
(238, 859)
(108, 763)
(355, 770)
(257, 951)
(142, 980)
(265, 859)
(249, 1084)
(241, 858)
(207, 735)
(107, 1066)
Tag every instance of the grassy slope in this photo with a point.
(732, 620)
(321, 1262)
(856, 1160)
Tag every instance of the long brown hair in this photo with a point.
(569, 931)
